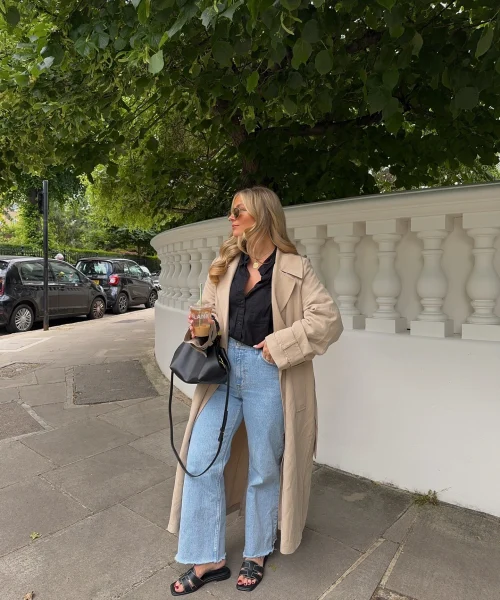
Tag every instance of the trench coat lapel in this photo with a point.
(222, 306)
(288, 270)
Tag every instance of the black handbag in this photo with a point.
(196, 366)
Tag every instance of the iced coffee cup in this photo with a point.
(202, 317)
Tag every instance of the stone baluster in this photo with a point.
(387, 284)
(215, 243)
(176, 288)
(184, 274)
(483, 286)
(207, 256)
(312, 238)
(193, 279)
(347, 283)
(166, 277)
(432, 284)
(163, 256)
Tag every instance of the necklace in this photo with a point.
(257, 261)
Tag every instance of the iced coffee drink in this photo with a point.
(202, 316)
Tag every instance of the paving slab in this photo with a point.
(112, 381)
(15, 421)
(61, 414)
(158, 444)
(361, 583)
(34, 506)
(147, 417)
(17, 462)
(399, 530)
(78, 440)
(109, 477)
(50, 375)
(305, 574)
(451, 554)
(157, 587)
(100, 558)
(154, 503)
(9, 395)
(46, 393)
(351, 510)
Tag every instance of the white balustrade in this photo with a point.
(347, 283)
(432, 284)
(176, 288)
(313, 239)
(166, 278)
(184, 274)
(387, 284)
(207, 256)
(193, 280)
(483, 285)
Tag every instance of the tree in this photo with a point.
(311, 98)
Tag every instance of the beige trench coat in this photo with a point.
(306, 321)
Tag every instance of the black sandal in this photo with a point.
(192, 582)
(251, 570)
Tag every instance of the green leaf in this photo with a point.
(103, 40)
(152, 144)
(22, 80)
(112, 169)
(390, 79)
(325, 102)
(318, 3)
(252, 81)
(229, 12)
(186, 14)
(467, 98)
(291, 4)
(394, 122)
(301, 52)
(396, 31)
(324, 62)
(208, 17)
(289, 106)
(156, 62)
(120, 44)
(417, 43)
(485, 41)
(295, 80)
(223, 53)
(386, 3)
(311, 31)
(136, 3)
(164, 38)
(12, 16)
(143, 12)
(377, 99)
(497, 66)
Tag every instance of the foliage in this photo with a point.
(311, 98)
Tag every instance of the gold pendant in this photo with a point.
(255, 265)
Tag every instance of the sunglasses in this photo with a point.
(236, 211)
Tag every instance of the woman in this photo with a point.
(275, 316)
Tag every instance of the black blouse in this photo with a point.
(251, 315)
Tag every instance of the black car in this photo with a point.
(123, 281)
(21, 292)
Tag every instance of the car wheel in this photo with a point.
(97, 309)
(121, 304)
(153, 297)
(22, 319)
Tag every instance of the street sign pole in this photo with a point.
(45, 255)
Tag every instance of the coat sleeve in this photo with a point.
(320, 326)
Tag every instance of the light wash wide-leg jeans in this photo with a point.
(255, 397)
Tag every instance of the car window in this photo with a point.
(136, 271)
(118, 267)
(32, 272)
(63, 273)
(94, 267)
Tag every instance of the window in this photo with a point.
(94, 267)
(64, 273)
(32, 272)
(118, 267)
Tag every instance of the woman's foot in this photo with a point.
(200, 570)
(247, 581)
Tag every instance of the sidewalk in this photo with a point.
(86, 469)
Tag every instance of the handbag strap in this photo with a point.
(227, 368)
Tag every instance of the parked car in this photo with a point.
(155, 277)
(21, 292)
(123, 281)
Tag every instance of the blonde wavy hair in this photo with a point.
(265, 207)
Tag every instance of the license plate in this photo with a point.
(96, 281)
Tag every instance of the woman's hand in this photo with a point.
(265, 352)
(191, 321)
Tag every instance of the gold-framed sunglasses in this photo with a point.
(236, 211)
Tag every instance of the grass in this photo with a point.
(430, 498)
